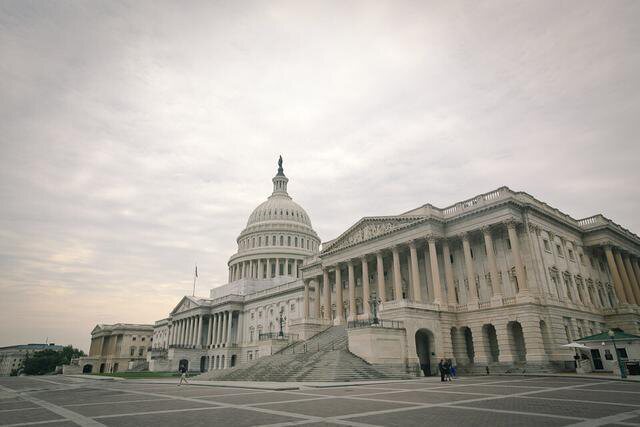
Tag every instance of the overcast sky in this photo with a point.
(136, 137)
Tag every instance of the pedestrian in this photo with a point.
(441, 369)
(447, 370)
(454, 372)
(183, 375)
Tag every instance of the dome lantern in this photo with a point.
(280, 181)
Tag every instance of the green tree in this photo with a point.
(45, 361)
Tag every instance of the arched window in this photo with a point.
(302, 242)
(259, 240)
(273, 240)
(288, 240)
(281, 240)
(295, 241)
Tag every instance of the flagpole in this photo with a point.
(195, 277)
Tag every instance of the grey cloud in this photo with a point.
(136, 137)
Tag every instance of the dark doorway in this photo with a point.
(597, 359)
(233, 360)
(101, 368)
(203, 363)
(184, 363)
(86, 369)
(115, 367)
(424, 350)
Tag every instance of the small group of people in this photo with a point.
(447, 370)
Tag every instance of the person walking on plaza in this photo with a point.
(183, 376)
(441, 368)
(447, 370)
(453, 369)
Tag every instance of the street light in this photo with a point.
(374, 301)
(611, 334)
(281, 321)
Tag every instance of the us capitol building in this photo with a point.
(500, 280)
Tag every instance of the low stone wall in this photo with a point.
(379, 345)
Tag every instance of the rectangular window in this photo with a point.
(559, 250)
(571, 257)
(547, 247)
(581, 259)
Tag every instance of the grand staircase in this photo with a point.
(324, 357)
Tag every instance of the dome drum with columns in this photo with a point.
(278, 237)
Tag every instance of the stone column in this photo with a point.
(636, 269)
(625, 278)
(517, 257)
(327, 293)
(397, 277)
(435, 272)
(277, 273)
(260, 273)
(448, 273)
(496, 286)
(415, 272)
(229, 337)
(316, 302)
(617, 281)
(365, 287)
(534, 343)
(480, 347)
(352, 291)
(305, 305)
(216, 325)
(504, 343)
(380, 267)
(242, 268)
(178, 332)
(223, 331)
(229, 279)
(219, 329)
(339, 302)
(199, 337)
(268, 275)
(632, 278)
(209, 331)
(190, 331)
(472, 297)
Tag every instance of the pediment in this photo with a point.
(371, 228)
(187, 303)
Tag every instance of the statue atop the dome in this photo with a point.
(280, 170)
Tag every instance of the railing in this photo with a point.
(484, 304)
(277, 336)
(378, 323)
(508, 300)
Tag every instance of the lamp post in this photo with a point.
(623, 374)
(374, 302)
(281, 321)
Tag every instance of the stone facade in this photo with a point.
(11, 357)
(501, 279)
(118, 347)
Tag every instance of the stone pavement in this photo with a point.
(470, 401)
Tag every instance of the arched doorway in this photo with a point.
(222, 362)
(86, 369)
(425, 349)
(468, 344)
(233, 360)
(516, 339)
(102, 366)
(203, 363)
(115, 367)
(183, 364)
(491, 340)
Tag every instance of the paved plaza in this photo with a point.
(472, 401)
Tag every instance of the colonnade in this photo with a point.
(625, 272)
(261, 268)
(188, 332)
(414, 290)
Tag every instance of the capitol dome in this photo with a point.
(277, 238)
